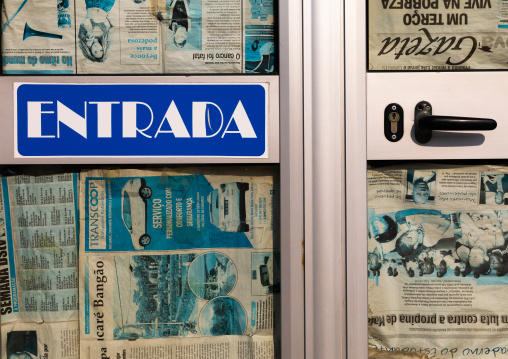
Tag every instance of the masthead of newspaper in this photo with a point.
(438, 261)
(137, 36)
(438, 35)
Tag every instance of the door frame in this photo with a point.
(324, 158)
(288, 152)
(356, 176)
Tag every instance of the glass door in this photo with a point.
(136, 93)
(424, 176)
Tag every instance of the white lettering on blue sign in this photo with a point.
(143, 120)
(78, 123)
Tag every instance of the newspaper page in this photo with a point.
(117, 36)
(438, 261)
(227, 36)
(36, 38)
(138, 36)
(178, 264)
(39, 266)
(438, 35)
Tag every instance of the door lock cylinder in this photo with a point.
(394, 122)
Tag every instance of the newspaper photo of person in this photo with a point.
(493, 188)
(94, 37)
(179, 22)
(22, 345)
(429, 242)
(421, 230)
(419, 241)
(184, 24)
(383, 228)
(374, 258)
(437, 277)
(421, 186)
(409, 232)
(480, 234)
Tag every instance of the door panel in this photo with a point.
(437, 233)
(468, 94)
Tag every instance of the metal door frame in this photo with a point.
(356, 177)
(288, 152)
(325, 269)
(293, 337)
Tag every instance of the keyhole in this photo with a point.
(393, 117)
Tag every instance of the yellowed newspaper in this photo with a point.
(179, 263)
(138, 36)
(39, 266)
(437, 35)
(438, 261)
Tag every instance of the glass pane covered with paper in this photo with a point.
(138, 37)
(164, 263)
(437, 35)
(438, 261)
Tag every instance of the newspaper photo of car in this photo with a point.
(227, 207)
(175, 212)
(134, 211)
(265, 273)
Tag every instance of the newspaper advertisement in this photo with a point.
(178, 263)
(39, 277)
(438, 261)
(438, 35)
(138, 36)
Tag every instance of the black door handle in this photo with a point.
(425, 123)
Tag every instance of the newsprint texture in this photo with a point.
(438, 35)
(137, 36)
(438, 262)
(39, 267)
(173, 263)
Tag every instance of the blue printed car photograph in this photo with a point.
(166, 213)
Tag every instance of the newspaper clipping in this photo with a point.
(138, 36)
(438, 35)
(438, 262)
(39, 267)
(177, 264)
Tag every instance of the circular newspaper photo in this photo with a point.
(222, 316)
(212, 275)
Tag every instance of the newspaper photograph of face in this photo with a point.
(423, 242)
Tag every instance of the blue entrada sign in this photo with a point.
(203, 120)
